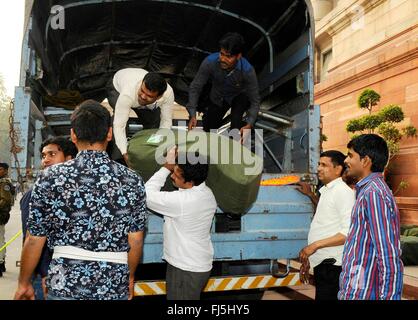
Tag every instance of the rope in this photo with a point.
(11, 240)
(15, 149)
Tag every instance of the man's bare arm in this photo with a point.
(136, 243)
(31, 254)
(305, 188)
(336, 240)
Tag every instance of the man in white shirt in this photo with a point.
(147, 94)
(188, 215)
(329, 227)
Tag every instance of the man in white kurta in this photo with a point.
(329, 227)
(188, 215)
(147, 94)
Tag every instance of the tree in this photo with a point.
(4, 123)
(383, 123)
(368, 99)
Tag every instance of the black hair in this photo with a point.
(65, 145)
(155, 82)
(194, 172)
(91, 122)
(337, 158)
(232, 42)
(349, 180)
(4, 165)
(373, 146)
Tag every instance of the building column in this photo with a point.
(321, 8)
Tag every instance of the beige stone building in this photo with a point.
(368, 44)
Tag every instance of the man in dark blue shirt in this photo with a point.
(92, 213)
(53, 151)
(233, 86)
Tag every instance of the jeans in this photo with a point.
(37, 286)
(51, 297)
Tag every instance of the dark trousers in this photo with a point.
(149, 119)
(37, 286)
(327, 277)
(213, 115)
(184, 285)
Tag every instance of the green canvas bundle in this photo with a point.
(234, 171)
(409, 230)
(409, 244)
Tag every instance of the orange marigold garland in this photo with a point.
(280, 181)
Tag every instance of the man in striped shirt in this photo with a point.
(371, 268)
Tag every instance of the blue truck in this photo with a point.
(71, 50)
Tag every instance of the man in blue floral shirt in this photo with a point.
(91, 211)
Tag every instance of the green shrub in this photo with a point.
(383, 123)
(410, 131)
(392, 113)
(371, 122)
(367, 99)
(354, 125)
(389, 132)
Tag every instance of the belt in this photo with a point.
(71, 252)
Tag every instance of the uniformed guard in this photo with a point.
(6, 202)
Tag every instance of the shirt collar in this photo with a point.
(200, 186)
(93, 154)
(366, 180)
(331, 184)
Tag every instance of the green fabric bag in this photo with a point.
(409, 246)
(409, 230)
(234, 182)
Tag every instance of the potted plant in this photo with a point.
(386, 124)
